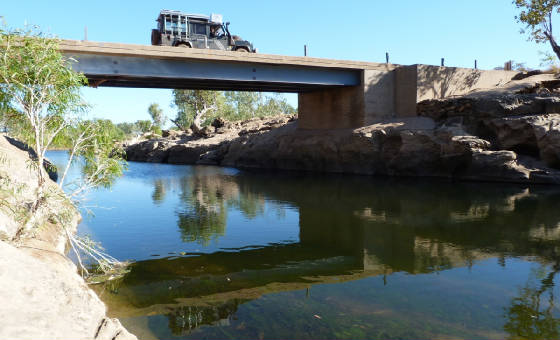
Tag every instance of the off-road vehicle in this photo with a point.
(176, 28)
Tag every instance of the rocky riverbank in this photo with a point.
(42, 296)
(509, 133)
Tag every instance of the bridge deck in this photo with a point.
(126, 65)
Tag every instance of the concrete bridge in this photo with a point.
(332, 93)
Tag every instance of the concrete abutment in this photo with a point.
(391, 93)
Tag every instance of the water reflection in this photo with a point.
(531, 313)
(159, 191)
(203, 214)
(183, 320)
(206, 199)
(350, 228)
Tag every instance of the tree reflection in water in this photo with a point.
(203, 214)
(206, 199)
(158, 194)
(183, 320)
(531, 314)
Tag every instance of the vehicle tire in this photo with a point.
(184, 45)
(242, 49)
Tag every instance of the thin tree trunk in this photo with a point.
(39, 155)
(178, 125)
(197, 123)
(553, 44)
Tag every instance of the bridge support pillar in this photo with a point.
(349, 107)
(386, 94)
(331, 108)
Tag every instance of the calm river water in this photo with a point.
(221, 253)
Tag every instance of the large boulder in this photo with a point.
(483, 107)
(500, 166)
(172, 134)
(50, 168)
(186, 153)
(549, 148)
(44, 298)
(153, 151)
(412, 153)
(536, 135)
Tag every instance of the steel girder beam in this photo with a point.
(125, 71)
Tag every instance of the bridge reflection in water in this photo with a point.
(349, 229)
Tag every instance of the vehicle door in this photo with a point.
(198, 34)
(218, 39)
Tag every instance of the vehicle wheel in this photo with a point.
(242, 49)
(184, 45)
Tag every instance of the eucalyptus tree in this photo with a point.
(157, 114)
(537, 15)
(196, 108)
(41, 102)
(245, 104)
(39, 89)
(193, 106)
(275, 104)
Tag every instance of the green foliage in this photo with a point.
(126, 127)
(156, 130)
(105, 127)
(193, 103)
(157, 115)
(139, 127)
(550, 61)
(41, 104)
(102, 149)
(275, 104)
(537, 17)
(230, 105)
(39, 92)
(244, 104)
(94, 144)
(143, 126)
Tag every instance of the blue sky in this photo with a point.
(411, 31)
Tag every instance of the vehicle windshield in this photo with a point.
(216, 31)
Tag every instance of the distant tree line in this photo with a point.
(198, 108)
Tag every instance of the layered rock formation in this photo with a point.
(185, 148)
(42, 296)
(509, 134)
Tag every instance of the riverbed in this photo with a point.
(223, 253)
